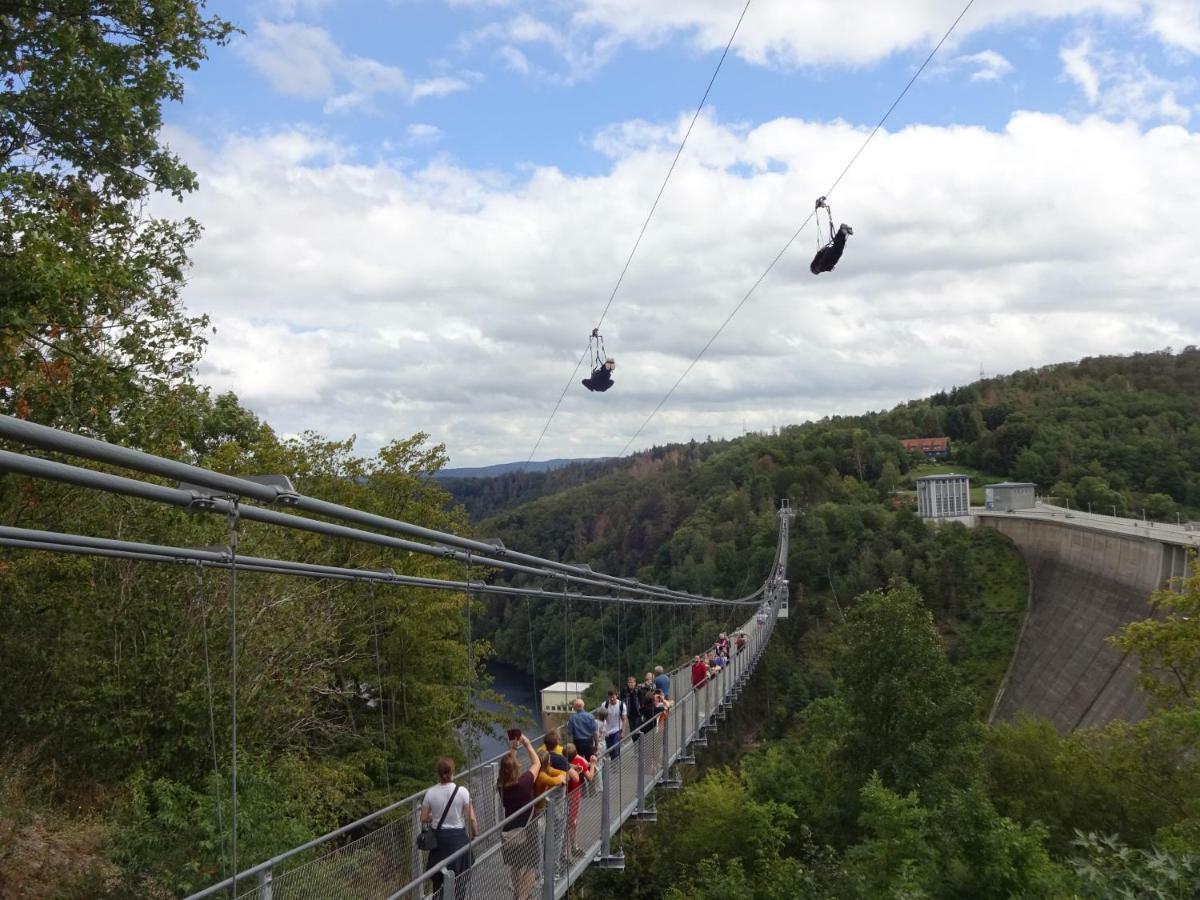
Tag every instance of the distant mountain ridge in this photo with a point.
(545, 465)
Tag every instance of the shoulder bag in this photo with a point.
(427, 840)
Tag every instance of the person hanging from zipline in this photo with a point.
(828, 255)
(602, 364)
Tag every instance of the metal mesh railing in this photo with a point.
(363, 869)
(572, 830)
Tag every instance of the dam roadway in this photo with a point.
(1089, 576)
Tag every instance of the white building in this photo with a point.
(558, 697)
(1009, 495)
(943, 496)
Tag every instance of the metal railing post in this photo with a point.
(608, 772)
(642, 813)
(550, 850)
(448, 884)
(493, 770)
(264, 885)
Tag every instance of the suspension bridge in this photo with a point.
(377, 856)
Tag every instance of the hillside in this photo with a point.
(1121, 431)
(858, 766)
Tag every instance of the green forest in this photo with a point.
(859, 764)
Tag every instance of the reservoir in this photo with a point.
(517, 689)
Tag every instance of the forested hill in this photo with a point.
(860, 764)
(1112, 430)
(1121, 430)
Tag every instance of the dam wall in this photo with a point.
(1086, 583)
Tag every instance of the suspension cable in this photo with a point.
(641, 233)
(233, 696)
(778, 256)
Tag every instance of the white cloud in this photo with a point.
(581, 50)
(288, 9)
(1078, 68)
(423, 133)
(1177, 22)
(439, 87)
(793, 33)
(304, 61)
(1120, 86)
(988, 65)
(380, 300)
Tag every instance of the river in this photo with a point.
(517, 689)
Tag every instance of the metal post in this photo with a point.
(667, 780)
(607, 859)
(642, 813)
(447, 884)
(264, 885)
(493, 777)
(550, 850)
(685, 755)
(415, 861)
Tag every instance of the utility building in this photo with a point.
(1009, 495)
(943, 496)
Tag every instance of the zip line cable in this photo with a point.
(778, 256)
(642, 233)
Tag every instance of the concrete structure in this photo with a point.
(943, 496)
(1089, 576)
(1009, 495)
(559, 696)
(933, 447)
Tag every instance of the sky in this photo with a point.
(416, 210)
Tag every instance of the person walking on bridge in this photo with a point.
(662, 681)
(616, 722)
(583, 728)
(449, 805)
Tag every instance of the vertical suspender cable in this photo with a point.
(233, 669)
(212, 716)
(532, 657)
(471, 740)
(387, 776)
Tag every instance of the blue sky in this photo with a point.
(504, 119)
(462, 178)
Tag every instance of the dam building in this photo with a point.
(1009, 495)
(943, 496)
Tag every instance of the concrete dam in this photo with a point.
(1090, 575)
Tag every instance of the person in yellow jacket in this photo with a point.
(548, 778)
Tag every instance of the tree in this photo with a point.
(89, 284)
(1168, 645)
(896, 858)
(912, 719)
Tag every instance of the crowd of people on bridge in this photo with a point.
(571, 756)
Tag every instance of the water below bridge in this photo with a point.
(517, 689)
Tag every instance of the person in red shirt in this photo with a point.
(586, 770)
(699, 672)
